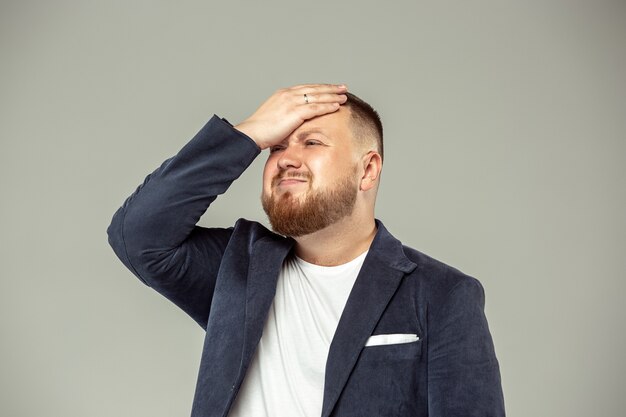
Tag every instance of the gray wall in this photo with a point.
(505, 137)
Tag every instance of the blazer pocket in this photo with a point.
(391, 339)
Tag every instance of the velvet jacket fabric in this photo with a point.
(225, 279)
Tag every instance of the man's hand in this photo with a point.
(288, 108)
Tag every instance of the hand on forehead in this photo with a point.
(288, 108)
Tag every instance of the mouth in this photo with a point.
(286, 182)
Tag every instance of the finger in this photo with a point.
(301, 86)
(318, 88)
(321, 98)
(309, 111)
(313, 85)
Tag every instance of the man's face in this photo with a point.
(310, 179)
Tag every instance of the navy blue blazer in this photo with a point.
(225, 279)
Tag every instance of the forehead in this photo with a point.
(335, 126)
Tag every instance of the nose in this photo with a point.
(289, 158)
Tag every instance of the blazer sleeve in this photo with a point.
(463, 372)
(154, 232)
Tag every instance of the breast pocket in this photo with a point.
(384, 382)
(392, 348)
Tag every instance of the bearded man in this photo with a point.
(327, 315)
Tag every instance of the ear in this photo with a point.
(372, 165)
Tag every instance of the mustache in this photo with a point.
(291, 175)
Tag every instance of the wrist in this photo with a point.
(248, 131)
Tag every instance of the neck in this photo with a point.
(338, 243)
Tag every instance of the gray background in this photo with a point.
(505, 139)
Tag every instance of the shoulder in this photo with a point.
(438, 282)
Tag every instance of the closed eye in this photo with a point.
(308, 142)
(276, 148)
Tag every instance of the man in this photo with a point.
(336, 318)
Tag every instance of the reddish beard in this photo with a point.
(312, 211)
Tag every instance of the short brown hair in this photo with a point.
(366, 124)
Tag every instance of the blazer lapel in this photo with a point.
(266, 261)
(378, 280)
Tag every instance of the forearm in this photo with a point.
(163, 211)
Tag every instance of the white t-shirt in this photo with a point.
(286, 376)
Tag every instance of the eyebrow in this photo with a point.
(306, 133)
